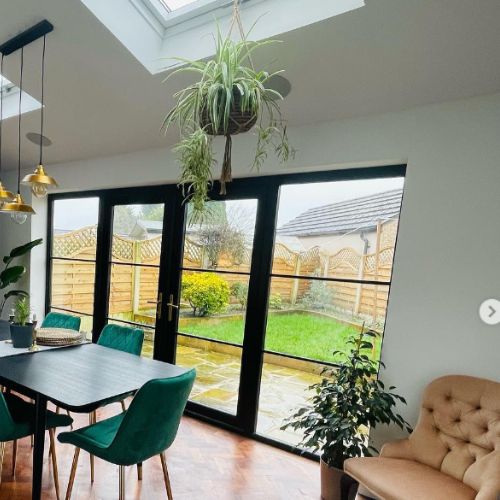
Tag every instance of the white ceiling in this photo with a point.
(386, 56)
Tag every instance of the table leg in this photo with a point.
(40, 423)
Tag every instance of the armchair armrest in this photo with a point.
(397, 449)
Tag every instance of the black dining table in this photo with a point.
(79, 378)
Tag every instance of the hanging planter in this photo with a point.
(230, 97)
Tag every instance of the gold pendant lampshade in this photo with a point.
(39, 181)
(5, 194)
(18, 209)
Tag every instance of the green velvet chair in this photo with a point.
(17, 420)
(59, 320)
(146, 429)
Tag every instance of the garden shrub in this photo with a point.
(275, 301)
(206, 293)
(319, 296)
(239, 291)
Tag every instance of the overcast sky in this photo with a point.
(294, 199)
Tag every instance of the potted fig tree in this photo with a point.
(230, 97)
(348, 402)
(21, 330)
(10, 275)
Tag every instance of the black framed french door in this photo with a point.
(148, 264)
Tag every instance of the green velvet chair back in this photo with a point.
(59, 320)
(122, 338)
(150, 424)
(7, 424)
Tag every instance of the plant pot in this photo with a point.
(22, 336)
(4, 329)
(239, 121)
(330, 481)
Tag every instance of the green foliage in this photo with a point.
(319, 296)
(347, 402)
(275, 301)
(22, 311)
(239, 291)
(152, 212)
(11, 275)
(222, 240)
(227, 77)
(207, 293)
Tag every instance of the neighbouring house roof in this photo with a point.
(359, 214)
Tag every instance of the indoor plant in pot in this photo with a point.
(347, 402)
(229, 97)
(10, 275)
(21, 330)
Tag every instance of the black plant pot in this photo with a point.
(22, 336)
(4, 329)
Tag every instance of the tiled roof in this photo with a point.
(352, 215)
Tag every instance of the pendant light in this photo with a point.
(5, 195)
(39, 180)
(17, 208)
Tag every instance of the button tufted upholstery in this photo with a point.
(457, 435)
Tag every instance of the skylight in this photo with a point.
(11, 99)
(172, 5)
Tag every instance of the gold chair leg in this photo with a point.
(124, 408)
(121, 495)
(92, 420)
(55, 471)
(139, 471)
(72, 474)
(2, 454)
(14, 457)
(166, 477)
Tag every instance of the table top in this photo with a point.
(81, 378)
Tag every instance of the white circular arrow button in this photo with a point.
(489, 311)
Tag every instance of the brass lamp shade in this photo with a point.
(39, 181)
(17, 205)
(5, 195)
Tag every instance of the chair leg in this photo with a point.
(55, 471)
(72, 474)
(92, 420)
(69, 415)
(166, 477)
(14, 457)
(139, 471)
(124, 408)
(2, 454)
(121, 495)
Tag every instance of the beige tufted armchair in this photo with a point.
(453, 453)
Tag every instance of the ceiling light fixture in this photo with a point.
(18, 209)
(39, 181)
(5, 195)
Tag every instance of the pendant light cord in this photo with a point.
(19, 125)
(43, 100)
(1, 112)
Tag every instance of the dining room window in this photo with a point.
(73, 257)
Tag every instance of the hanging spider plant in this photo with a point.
(230, 97)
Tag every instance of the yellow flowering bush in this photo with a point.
(206, 293)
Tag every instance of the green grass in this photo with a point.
(299, 334)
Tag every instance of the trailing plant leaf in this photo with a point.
(346, 404)
(196, 157)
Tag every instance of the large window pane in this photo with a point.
(213, 305)
(338, 229)
(224, 240)
(75, 228)
(72, 285)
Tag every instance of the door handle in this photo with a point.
(158, 304)
(171, 306)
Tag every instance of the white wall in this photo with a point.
(447, 259)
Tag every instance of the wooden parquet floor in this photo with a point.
(204, 463)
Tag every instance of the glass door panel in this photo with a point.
(215, 270)
(134, 265)
(331, 272)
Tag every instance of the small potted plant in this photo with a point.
(348, 402)
(21, 330)
(10, 275)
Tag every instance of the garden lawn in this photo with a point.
(299, 334)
